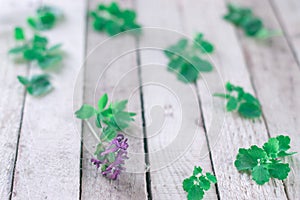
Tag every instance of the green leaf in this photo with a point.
(272, 147)
(279, 170)
(109, 133)
(260, 175)
(249, 110)
(102, 102)
(18, 49)
(49, 61)
(231, 104)
(250, 98)
(204, 183)
(23, 80)
(195, 193)
(247, 159)
(98, 120)
(37, 85)
(211, 177)
(201, 65)
(54, 48)
(284, 142)
(197, 171)
(85, 112)
(188, 73)
(19, 33)
(188, 183)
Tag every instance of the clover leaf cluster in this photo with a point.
(112, 20)
(46, 18)
(243, 102)
(36, 49)
(266, 162)
(198, 183)
(110, 118)
(185, 59)
(246, 20)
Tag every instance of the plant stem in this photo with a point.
(92, 130)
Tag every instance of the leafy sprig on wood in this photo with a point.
(36, 49)
(198, 183)
(36, 85)
(266, 162)
(112, 20)
(110, 118)
(243, 102)
(186, 60)
(245, 19)
(46, 18)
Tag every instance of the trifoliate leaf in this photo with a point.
(113, 20)
(203, 45)
(245, 19)
(245, 103)
(260, 174)
(197, 183)
(36, 85)
(36, 50)
(85, 112)
(46, 18)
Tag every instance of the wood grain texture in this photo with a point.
(49, 149)
(111, 67)
(288, 14)
(173, 119)
(276, 78)
(236, 132)
(12, 93)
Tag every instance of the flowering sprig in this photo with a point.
(111, 151)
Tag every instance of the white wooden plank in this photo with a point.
(48, 164)
(12, 93)
(236, 132)
(120, 81)
(288, 12)
(276, 78)
(175, 137)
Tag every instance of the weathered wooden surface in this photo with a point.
(12, 95)
(173, 117)
(236, 132)
(48, 162)
(276, 78)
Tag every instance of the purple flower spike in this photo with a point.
(118, 146)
